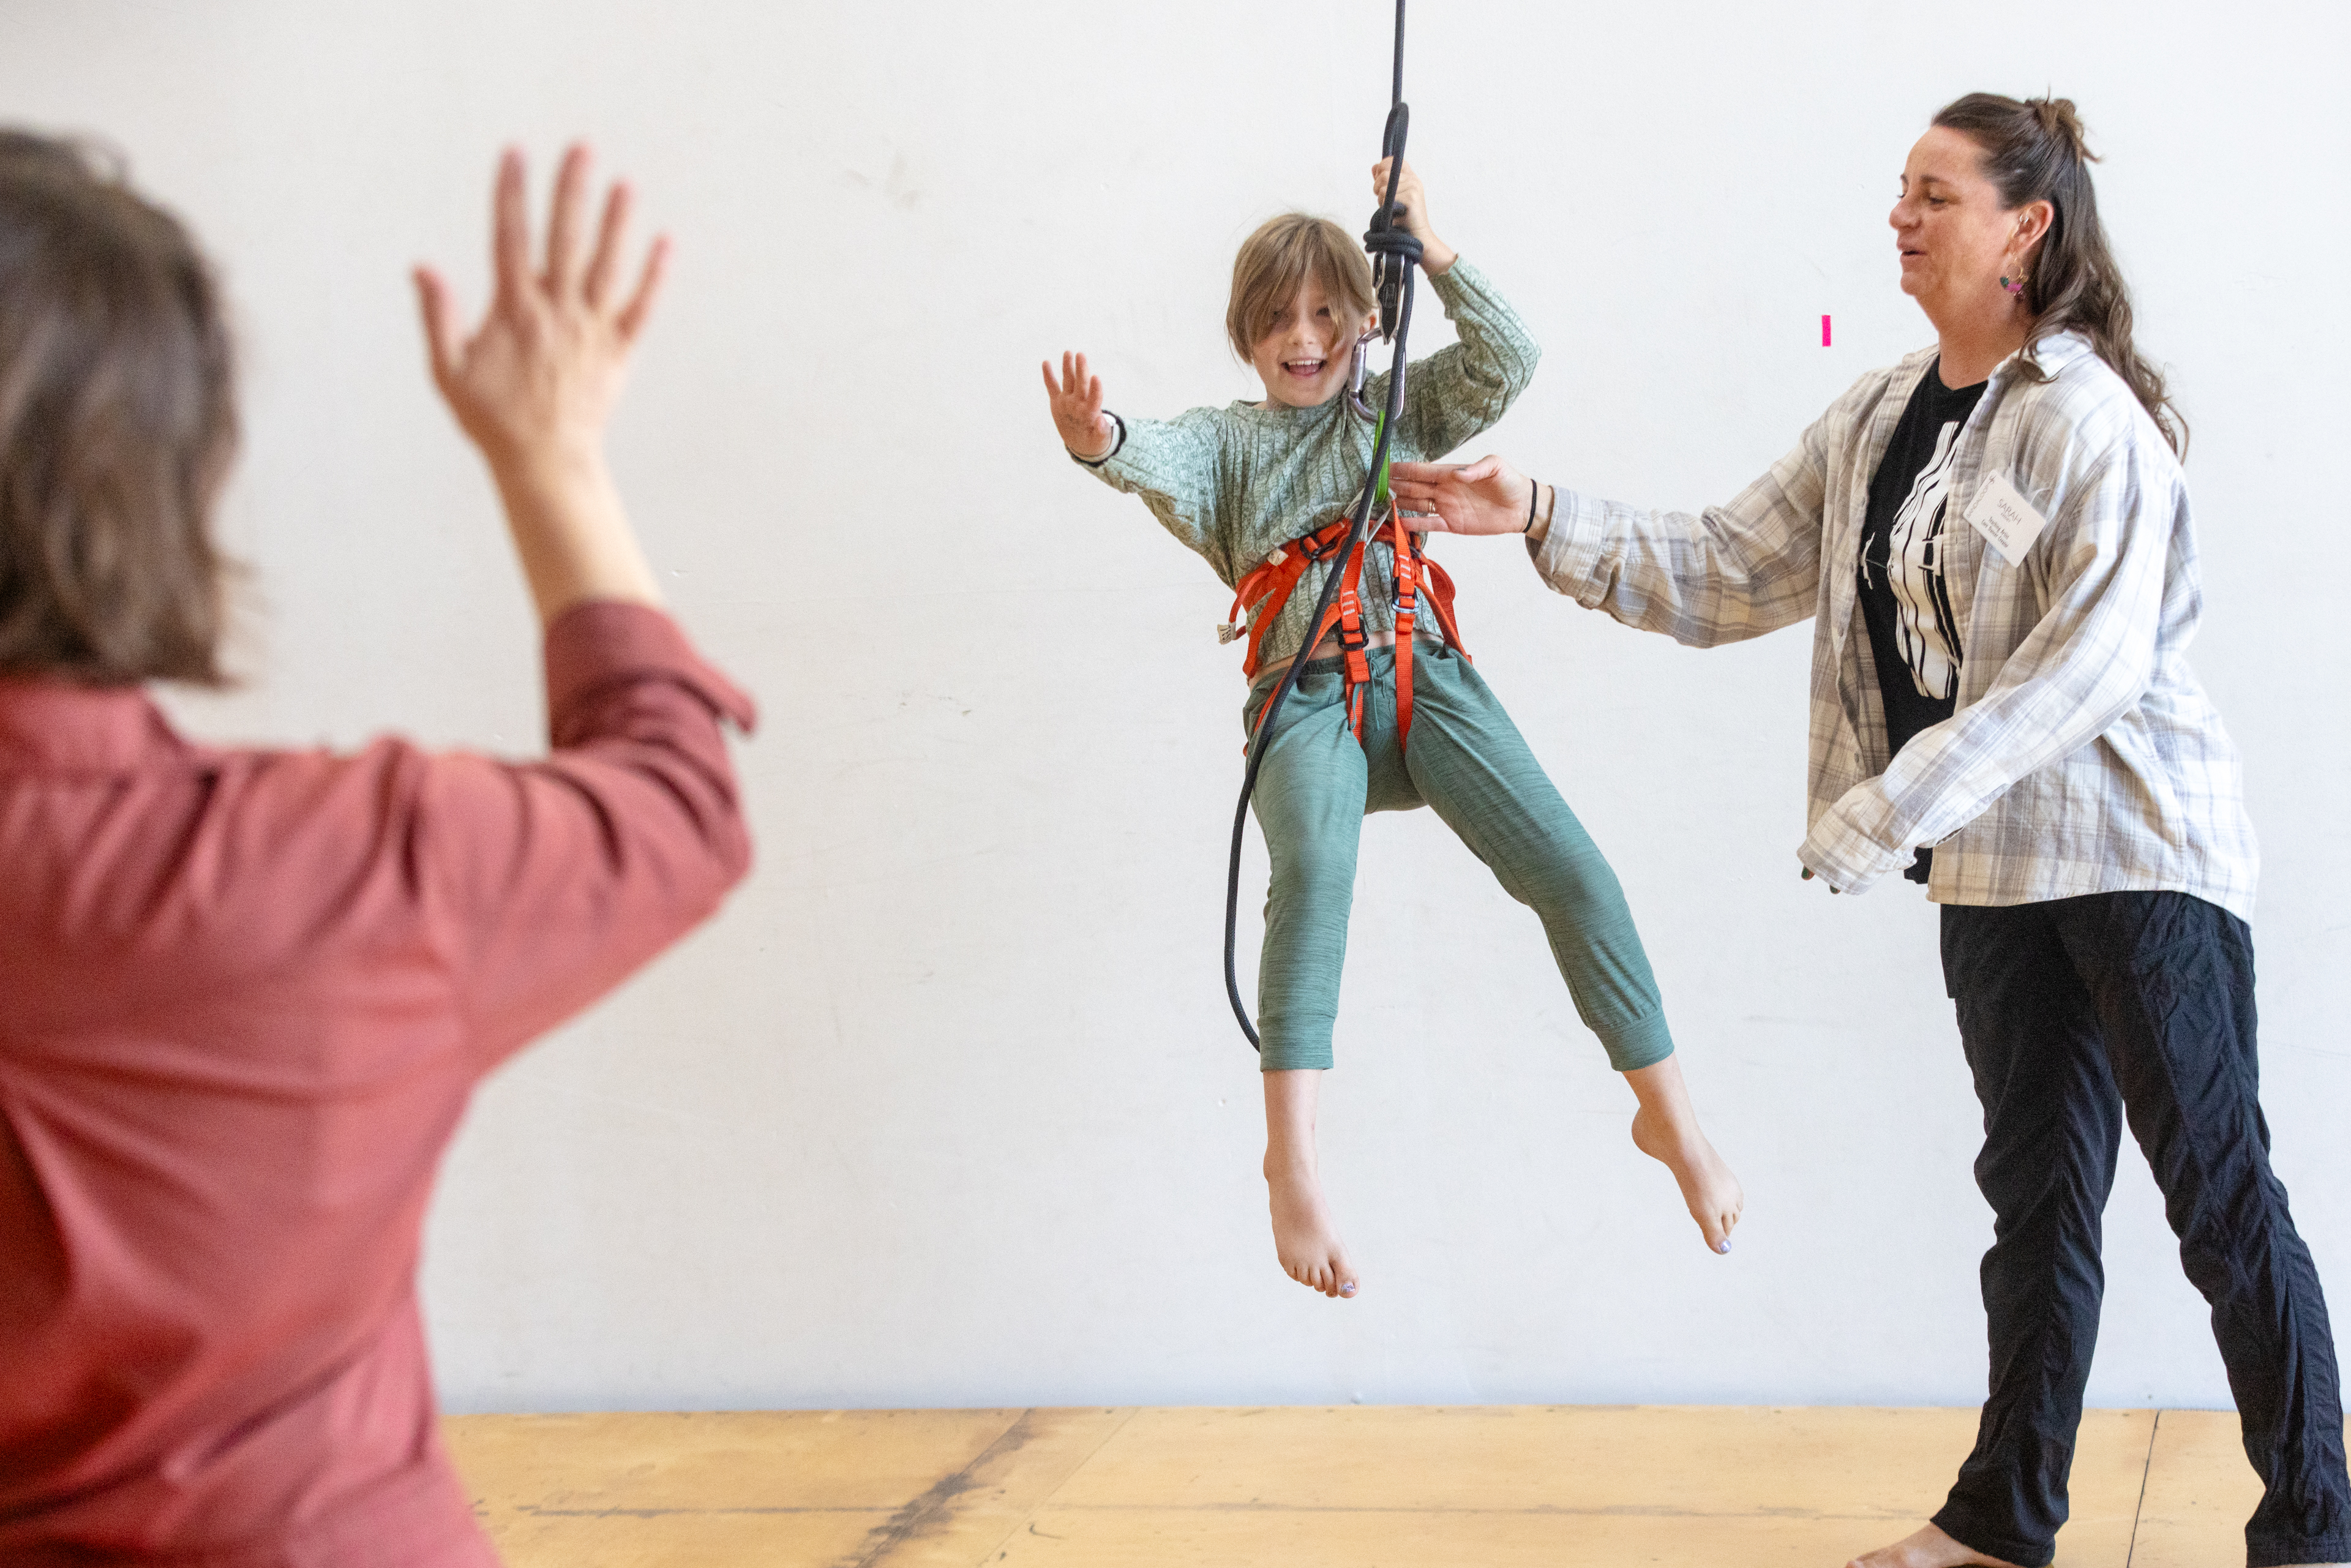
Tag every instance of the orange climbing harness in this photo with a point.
(1263, 593)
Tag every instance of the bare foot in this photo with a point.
(1713, 1194)
(1929, 1548)
(1303, 1237)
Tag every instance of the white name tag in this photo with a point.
(2005, 517)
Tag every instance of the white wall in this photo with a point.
(946, 1107)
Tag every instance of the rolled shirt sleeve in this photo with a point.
(549, 881)
(1722, 575)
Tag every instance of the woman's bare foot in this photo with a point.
(1303, 1237)
(1665, 1129)
(1929, 1548)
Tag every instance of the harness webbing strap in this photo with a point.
(1264, 591)
(1402, 596)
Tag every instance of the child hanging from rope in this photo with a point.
(1244, 485)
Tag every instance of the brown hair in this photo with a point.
(117, 425)
(1275, 263)
(2035, 150)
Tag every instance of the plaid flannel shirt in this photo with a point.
(2082, 757)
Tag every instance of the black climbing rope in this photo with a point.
(1395, 256)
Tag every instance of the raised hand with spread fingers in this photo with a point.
(1077, 401)
(534, 383)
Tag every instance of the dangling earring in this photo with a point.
(2015, 285)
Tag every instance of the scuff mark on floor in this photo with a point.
(930, 1514)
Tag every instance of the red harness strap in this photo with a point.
(1264, 591)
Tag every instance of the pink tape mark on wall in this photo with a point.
(1824, 331)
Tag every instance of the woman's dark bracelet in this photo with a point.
(1534, 488)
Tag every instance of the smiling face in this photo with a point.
(1304, 357)
(1956, 239)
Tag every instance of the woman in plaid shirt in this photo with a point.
(1993, 540)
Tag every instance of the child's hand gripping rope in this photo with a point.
(1412, 215)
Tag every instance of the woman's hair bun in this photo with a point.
(2060, 123)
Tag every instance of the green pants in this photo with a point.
(1467, 760)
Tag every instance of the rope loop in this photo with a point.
(1383, 240)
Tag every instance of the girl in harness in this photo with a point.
(1387, 715)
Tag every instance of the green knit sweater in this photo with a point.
(1238, 483)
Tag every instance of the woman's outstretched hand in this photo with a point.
(1076, 400)
(534, 384)
(1487, 497)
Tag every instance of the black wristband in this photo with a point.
(1115, 447)
(1534, 488)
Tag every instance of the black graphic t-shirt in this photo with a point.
(1913, 635)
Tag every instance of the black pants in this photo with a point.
(2077, 1014)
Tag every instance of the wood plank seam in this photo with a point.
(540, 1510)
(1528, 1511)
(2139, 1512)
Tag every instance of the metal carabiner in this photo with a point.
(1356, 376)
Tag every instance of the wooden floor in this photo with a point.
(1489, 1486)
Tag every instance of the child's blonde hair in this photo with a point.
(1275, 263)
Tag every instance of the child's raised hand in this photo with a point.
(1412, 214)
(1076, 400)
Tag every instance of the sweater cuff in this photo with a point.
(600, 643)
(1457, 280)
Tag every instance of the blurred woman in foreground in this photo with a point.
(250, 992)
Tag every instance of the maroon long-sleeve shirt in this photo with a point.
(244, 998)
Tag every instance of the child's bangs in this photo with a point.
(1279, 260)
